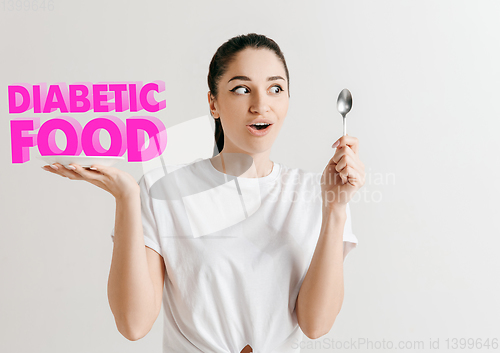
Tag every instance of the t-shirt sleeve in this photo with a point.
(350, 240)
(149, 225)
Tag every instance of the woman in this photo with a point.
(247, 249)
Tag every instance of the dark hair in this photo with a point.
(224, 55)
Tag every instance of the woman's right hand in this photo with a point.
(118, 183)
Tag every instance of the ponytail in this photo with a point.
(219, 137)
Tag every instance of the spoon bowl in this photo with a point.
(344, 104)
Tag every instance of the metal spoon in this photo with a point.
(344, 105)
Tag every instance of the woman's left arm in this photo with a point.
(322, 292)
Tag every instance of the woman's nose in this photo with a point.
(260, 103)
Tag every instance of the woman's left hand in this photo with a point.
(343, 175)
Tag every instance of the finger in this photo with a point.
(49, 169)
(350, 141)
(340, 152)
(67, 172)
(343, 162)
(340, 168)
(354, 178)
(351, 175)
(54, 168)
(100, 169)
(354, 160)
(343, 178)
(348, 175)
(87, 173)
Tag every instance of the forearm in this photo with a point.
(130, 288)
(322, 292)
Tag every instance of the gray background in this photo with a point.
(424, 76)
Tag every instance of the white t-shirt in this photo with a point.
(236, 251)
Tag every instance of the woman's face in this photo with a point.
(253, 88)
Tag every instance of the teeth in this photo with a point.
(261, 124)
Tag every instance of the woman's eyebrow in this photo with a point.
(245, 78)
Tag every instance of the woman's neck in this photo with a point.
(242, 165)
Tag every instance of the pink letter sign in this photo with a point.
(83, 97)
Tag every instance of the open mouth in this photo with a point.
(261, 126)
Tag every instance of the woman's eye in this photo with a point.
(242, 90)
(277, 90)
(239, 90)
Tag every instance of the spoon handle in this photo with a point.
(343, 119)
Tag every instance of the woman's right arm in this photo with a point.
(136, 276)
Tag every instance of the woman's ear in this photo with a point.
(213, 109)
